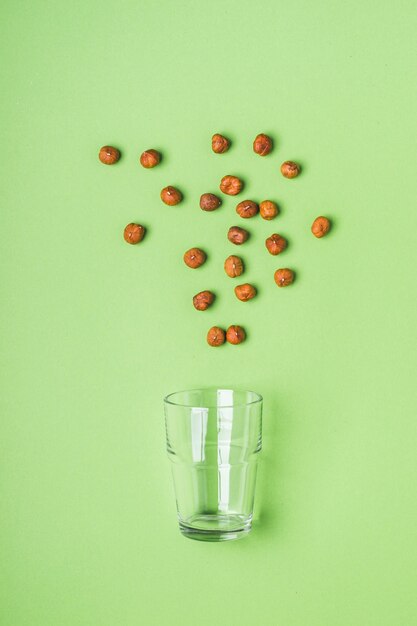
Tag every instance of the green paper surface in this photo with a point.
(95, 332)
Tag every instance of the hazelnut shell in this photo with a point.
(209, 202)
(134, 233)
(275, 244)
(245, 292)
(219, 143)
(289, 169)
(284, 277)
(109, 155)
(231, 185)
(150, 158)
(235, 334)
(194, 257)
(171, 195)
(203, 300)
(233, 266)
(237, 235)
(262, 144)
(320, 226)
(216, 336)
(247, 208)
(268, 209)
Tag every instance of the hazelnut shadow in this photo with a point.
(148, 232)
(302, 165)
(334, 225)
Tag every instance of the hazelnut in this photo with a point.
(268, 210)
(233, 266)
(237, 235)
(134, 233)
(216, 336)
(245, 292)
(276, 244)
(109, 155)
(219, 144)
(320, 226)
(171, 196)
(289, 169)
(247, 208)
(284, 277)
(209, 202)
(194, 257)
(203, 300)
(235, 334)
(150, 158)
(262, 145)
(231, 185)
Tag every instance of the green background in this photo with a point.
(95, 332)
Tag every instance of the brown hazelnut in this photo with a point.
(289, 169)
(233, 266)
(209, 202)
(171, 196)
(219, 144)
(276, 244)
(237, 235)
(245, 292)
(216, 336)
(262, 145)
(235, 334)
(203, 300)
(134, 233)
(194, 257)
(268, 210)
(247, 208)
(231, 185)
(284, 277)
(320, 226)
(109, 155)
(150, 158)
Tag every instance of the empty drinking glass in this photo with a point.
(213, 440)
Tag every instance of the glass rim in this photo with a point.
(168, 398)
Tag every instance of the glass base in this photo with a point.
(215, 527)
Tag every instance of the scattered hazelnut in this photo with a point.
(194, 257)
(171, 196)
(150, 158)
(134, 233)
(284, 277)
(289, 169)
(262, 145)
(231, 185)
(216, 336)
(320, 226)
(237, 235)
(203, 300)
(209, 202)
(109, 155)
(233, 266)
(247, 208)
(276, 244)
(268, 210)
(245, 292)
(219, 144)
(235, 334)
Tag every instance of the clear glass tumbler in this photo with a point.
(213, 440)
